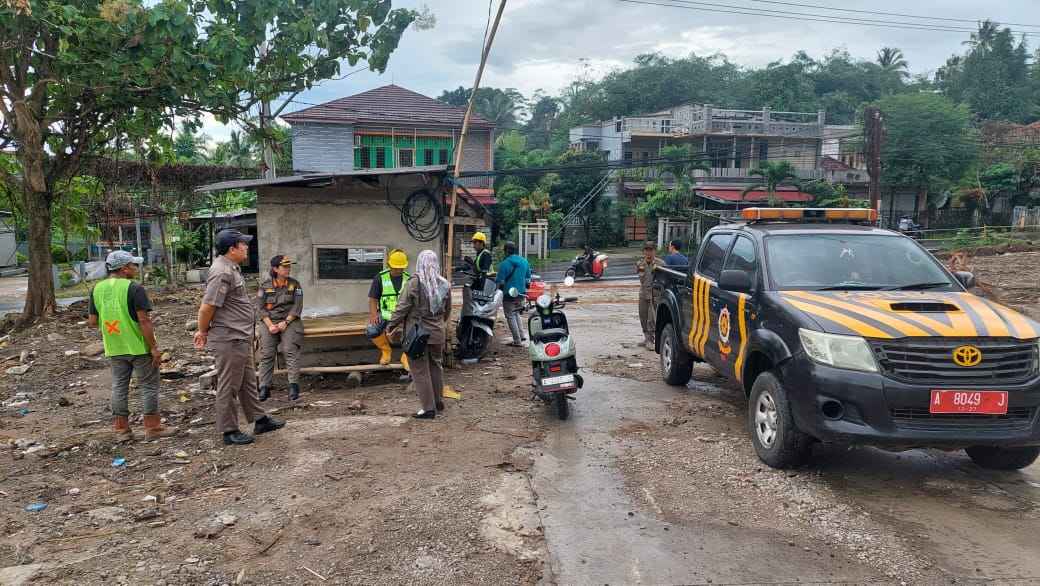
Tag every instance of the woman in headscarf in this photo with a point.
(426, 300)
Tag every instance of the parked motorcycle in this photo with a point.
(534, 291)
(476, 327)
(593, 264)
(909, 227)
(553, 352)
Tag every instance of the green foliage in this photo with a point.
(66, 279)
(493, 104)
(59, 255)
(930, 141)
(774, 174)
(188, 245)
(832, 195)
(21, 258)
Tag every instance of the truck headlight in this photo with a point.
(850, 352)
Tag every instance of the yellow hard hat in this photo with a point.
(480, 236)
(398, 259)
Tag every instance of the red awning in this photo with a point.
(485, 196)
(733, 195)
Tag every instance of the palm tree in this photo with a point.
(892, 61)
(774, 175)
(983, 39)
(238, 151)
(499, 108)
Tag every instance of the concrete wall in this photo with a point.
(294, 221)
(323, 147)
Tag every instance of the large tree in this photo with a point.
(930, 143)
(74, 74)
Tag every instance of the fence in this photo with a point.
(946, 219)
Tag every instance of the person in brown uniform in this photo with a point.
(280, 304)
(426, 301)
(226, 322)
(645, 268)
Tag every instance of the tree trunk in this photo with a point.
(39, 296)
(165, 249)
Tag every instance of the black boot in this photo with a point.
(440, 405)
(237, 438)
(267, 423)
(425, 415)
(294, 391)
(265, 393)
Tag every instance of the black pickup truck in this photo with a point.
(842, 332)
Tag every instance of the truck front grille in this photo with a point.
(930, 361)
(1020, 418)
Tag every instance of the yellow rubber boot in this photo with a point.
(383, 343)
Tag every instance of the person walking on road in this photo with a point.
(122, 309)
(426, 302)
(383, 296)
(514, 275)
(226, 322)
(280, 305)
(645, 267)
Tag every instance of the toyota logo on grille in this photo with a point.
(967, 356)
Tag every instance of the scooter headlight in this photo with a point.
(544, 301)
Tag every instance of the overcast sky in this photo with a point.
(545, 44)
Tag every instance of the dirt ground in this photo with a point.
(352, 491)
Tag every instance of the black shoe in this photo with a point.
(294, 392)
(265, 393)
(440, 405)
(425, 414)
(237, 438)
(267, 423)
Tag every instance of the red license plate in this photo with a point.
(984, 402)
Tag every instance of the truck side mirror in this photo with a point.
(967, 279)
(735, 281)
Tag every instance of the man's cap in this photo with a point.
(118, 259)
(649, 245)
(281, 260)
(230, 237)
(480, 236)
(398, 259)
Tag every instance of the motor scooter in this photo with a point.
(593, 264)
(534, 291)
(476, 327)
(552, 350)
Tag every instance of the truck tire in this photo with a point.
(778, 442)
(995, 458)
(676, 362)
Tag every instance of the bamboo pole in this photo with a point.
(450, 256)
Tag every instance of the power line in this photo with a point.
(747, 11)
(879, 13)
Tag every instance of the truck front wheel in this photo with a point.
(676, 362)
(777, 441)
(1003, 458)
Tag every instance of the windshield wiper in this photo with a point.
(850, 287)
(916, 286)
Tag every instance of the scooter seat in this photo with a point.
(550, 335)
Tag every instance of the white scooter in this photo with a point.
(553, 353)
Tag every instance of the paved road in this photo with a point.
(12, 295)
(967, 523)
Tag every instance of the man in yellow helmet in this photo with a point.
(482, 261)
(382, 298)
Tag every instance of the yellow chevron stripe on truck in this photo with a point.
(859, 327)
(738, 364)
(861, 310)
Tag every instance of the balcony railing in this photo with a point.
(708, 120)
(652, 174)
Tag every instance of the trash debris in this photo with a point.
(19, 370)
(93, 349)
(208, 530)
(118, 462)
(23, 411)
(184, 397)
(71, 353)
(450, 393)
(36, 507)
(323, 403)
(356, 406)
(181, 455)
(107, 514)
(228, 519)
(147, 515)
(64, 402)
(73, 492)
(191, 325)
(635, 365)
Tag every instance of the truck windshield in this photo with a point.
(855, 262)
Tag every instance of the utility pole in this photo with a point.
(137, 227)
(874, 132)
(449, 258)
(270, 172)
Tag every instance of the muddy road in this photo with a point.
(653, 484)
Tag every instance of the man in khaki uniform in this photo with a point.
(226, 321)
(645, 268)
(280, 304)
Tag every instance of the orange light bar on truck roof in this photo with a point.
(813, 214)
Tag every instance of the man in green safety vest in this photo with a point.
(382, 300)
(121, 307)
(481, 263)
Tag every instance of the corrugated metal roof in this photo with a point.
(307, 178)
(734, 195)
(390, 104)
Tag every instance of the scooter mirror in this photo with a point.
(568, 281)
(513, 292)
